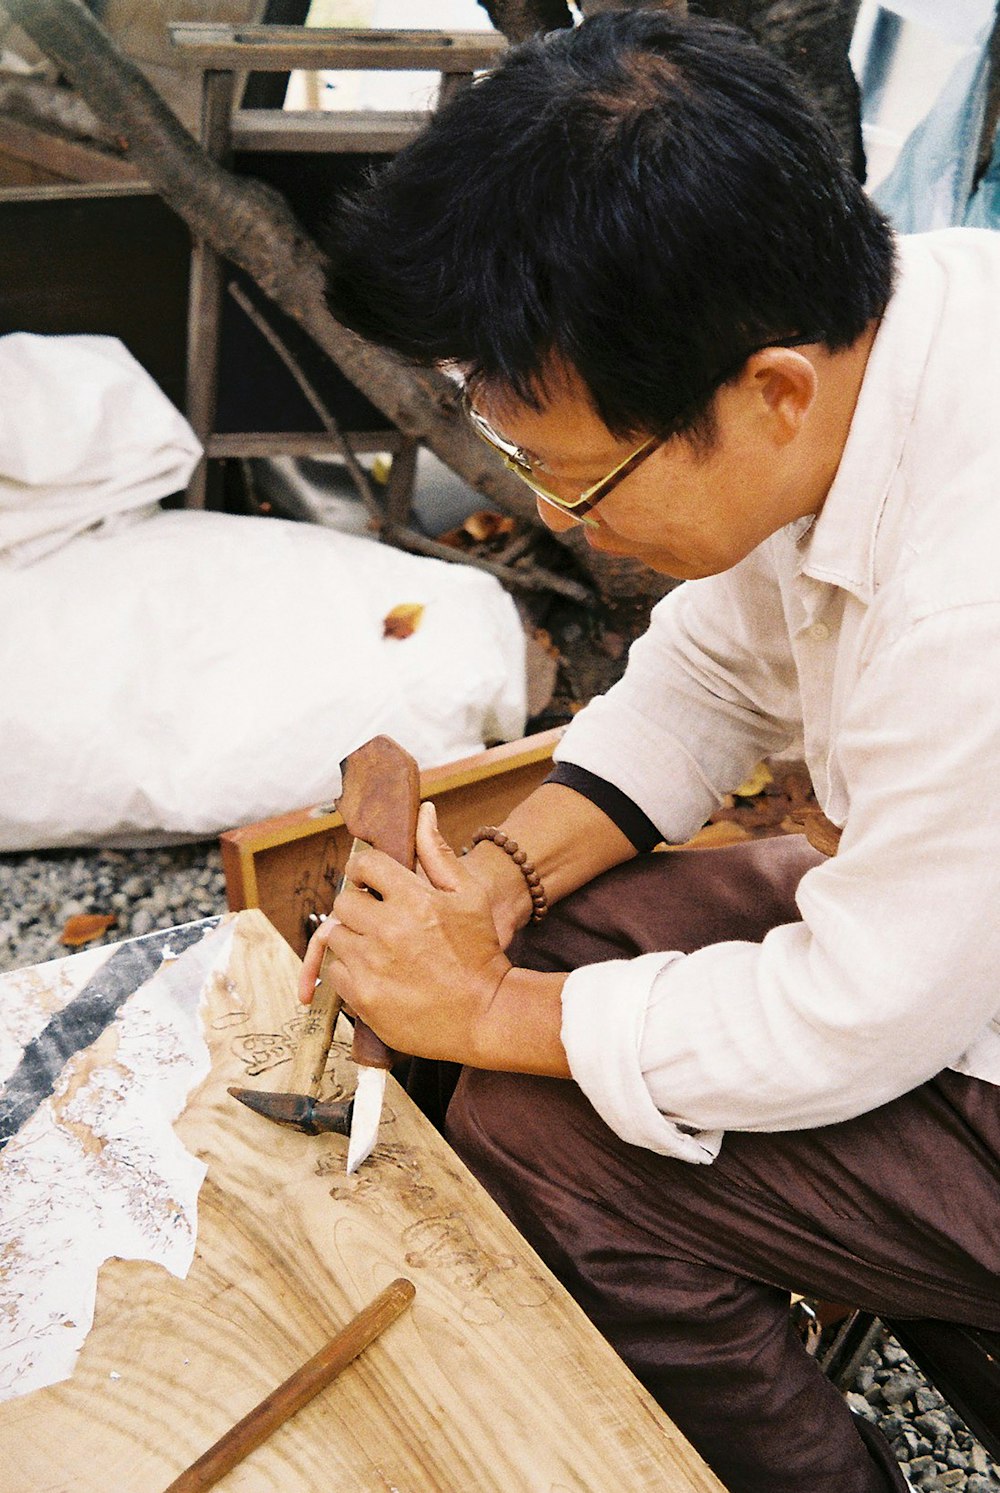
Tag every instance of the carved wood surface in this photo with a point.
(492, 1380)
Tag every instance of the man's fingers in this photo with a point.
(435, 856)
(375, 871)
(357, 909)
(313, 962)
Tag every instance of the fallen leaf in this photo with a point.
(821, 834)
(485, 524)
(381, 469)
(85, 927)
(478, 528)
(544, 639)
(455, 539)
(402, 621)
(722, 833)
(755, 783)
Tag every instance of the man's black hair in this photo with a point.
(645, 197)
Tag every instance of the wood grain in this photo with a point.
(493, 1381)
(297, 1391)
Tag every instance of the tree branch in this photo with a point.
(519, 19)
(251, 225)
(813, 38)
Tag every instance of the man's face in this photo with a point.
(685, 511)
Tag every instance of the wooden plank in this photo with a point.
(290, 865)
(282, 48)
(60, 157)
(205, 297)
(367, 131)
(305, 443)
(492, 1380)
(77, 191)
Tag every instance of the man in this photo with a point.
(679, 318)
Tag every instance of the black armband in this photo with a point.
(620, 809)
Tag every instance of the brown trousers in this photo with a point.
(687, 1269)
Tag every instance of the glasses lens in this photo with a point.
(514, 460)
(494, 438)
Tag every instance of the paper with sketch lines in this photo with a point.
(98, 1054)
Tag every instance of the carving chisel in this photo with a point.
(378, 804)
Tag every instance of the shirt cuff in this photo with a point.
(603, 1016)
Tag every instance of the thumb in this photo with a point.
(435, 856)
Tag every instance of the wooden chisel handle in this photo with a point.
(378, 803)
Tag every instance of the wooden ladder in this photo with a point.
(225, 55)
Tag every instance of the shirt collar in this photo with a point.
(838, 547)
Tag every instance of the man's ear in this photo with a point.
(785, 382)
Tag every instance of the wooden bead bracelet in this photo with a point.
(539, 901)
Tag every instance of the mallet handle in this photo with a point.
(298, 1390)
(313, 1046)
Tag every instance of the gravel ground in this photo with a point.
(151, 889)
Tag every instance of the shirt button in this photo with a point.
(819, 631)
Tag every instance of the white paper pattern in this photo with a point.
(97, 1171)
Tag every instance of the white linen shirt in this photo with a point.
(868, 641)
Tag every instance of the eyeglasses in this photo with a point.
(516, 460)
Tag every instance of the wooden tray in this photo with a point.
(290, 866)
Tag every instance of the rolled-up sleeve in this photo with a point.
(609, 1003)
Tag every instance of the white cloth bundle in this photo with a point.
(85, 436)
(196, 671)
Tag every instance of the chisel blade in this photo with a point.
(365, 1116)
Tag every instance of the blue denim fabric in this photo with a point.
(931, 183)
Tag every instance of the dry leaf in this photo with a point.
(381, 469)
(821, 834)
(755, 783)
(477, 529)
(402, 621)
(724, 832)
(544, 639)
(455, 539)
(485, 524)
(85, 927)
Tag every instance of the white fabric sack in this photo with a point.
(85, 435)
(196, 671)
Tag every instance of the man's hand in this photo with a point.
(419, 961)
